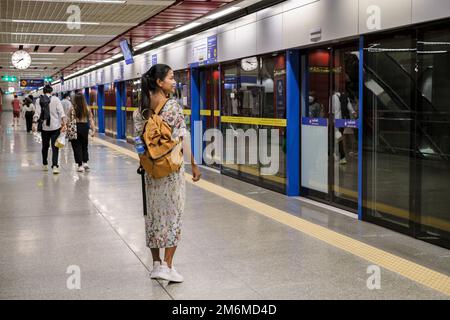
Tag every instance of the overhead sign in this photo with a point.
(31, 83)
(204, 51)
(9, 78)
(212, 49)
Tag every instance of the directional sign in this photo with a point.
(9, 78)
(35, 83)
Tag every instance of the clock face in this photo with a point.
(21, 59)
(249, 64)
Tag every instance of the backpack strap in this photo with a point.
(159, 108)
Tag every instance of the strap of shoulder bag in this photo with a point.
(159, 108)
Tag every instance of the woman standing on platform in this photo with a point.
(28, 109)
(80, 126)
(165, 196)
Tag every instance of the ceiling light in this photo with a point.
(187, 27)
(47, 59)
(107, 60)
(222, 13)
(164, 36)
(84, 1)
(143, 44)
(52, 53)
(116, 56)
(102, 1)
(59, 34)
(52, 22)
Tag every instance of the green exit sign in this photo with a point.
(48, 79)
(9, 78)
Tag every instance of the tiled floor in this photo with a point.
(94, 221)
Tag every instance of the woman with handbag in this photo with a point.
(80, 126)
(28, 110)
(165, 195)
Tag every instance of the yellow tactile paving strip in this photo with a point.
(413, 271)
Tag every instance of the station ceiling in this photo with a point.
(49, 30)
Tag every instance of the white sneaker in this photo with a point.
(55, 170)
(154, 274)
(45, 167)
(168, 274)
(86, 166)
(80, 169)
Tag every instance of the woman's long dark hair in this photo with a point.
(27, 101)
(80, 105)
(149, 84)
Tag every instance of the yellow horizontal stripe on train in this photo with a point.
(255, 121)
(109, 108)
(187, 112)
(208, 113)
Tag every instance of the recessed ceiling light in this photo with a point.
(53, 22)
(188, 26)
(59, 34)
(222, 13)
(164, 36)
(52, 53)
(143, 44)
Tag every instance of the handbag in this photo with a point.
(72, 126)
(61, 141)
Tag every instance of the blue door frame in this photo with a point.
(196, 128)
(100, 104)
(86, 95)
(293, 120)
(120, 110)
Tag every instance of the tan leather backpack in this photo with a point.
(163, 155)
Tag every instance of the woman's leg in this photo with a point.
(168, 255)
(29, 121)
(76, 151)
(155, 254)
(84, 144)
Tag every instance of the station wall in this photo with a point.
(291, 24)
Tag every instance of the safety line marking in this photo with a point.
(408, 269)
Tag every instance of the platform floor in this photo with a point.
(266, 247)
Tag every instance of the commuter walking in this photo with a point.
(28, 109)
(17, 105)
(80, 126)
(66, 103)
(51, 117)
(166, 195)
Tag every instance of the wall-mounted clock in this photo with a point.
(249, 64)
(21, 59)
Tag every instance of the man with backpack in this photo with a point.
(50, 120)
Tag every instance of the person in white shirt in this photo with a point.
(50, 111)
(66, 103)
(28, 110)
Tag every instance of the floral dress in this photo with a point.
(165, 196)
